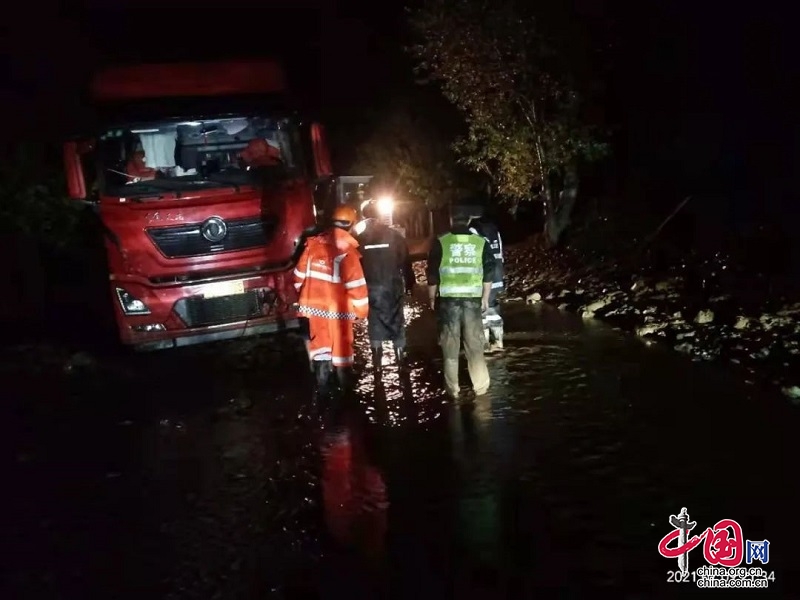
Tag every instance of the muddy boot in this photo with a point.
(400, 356)
(487, 337)
(346, 378)
(377, 359)
(497, 334)
(322, 373)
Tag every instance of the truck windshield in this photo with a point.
(178, 156)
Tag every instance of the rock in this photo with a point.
(665, 286)
(650, 329)
(792, 392)
(742, 322)
(772, 321)
(563, 306)
(534, 298)
(590, 310)
(704, 316)
(790, 310)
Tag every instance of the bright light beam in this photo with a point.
(385, 206)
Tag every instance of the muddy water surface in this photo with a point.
(214, 473)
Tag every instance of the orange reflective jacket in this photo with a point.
(329, 277)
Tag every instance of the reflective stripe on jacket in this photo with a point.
(490, 233)
(329, 278)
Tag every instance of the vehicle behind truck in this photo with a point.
(202, 176)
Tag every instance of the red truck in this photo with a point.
(203, 178)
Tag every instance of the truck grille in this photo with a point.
(200, 312)
(187, 240)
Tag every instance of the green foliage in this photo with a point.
(405, 151)
(510, 82)
(33, 200)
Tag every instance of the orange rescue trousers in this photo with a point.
(331, 339)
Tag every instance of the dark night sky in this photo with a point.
(705, 97)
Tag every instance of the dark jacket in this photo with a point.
(435, 259)
(388, 272)
(488, 231)
(385, 259)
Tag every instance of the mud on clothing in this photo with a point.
(460, 320)
(388, 272)
(333, 294)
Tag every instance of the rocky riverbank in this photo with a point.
(707, 309)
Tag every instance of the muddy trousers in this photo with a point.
(493, 321)
(460, 321)
(330, 347)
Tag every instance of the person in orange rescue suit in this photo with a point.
(332, 295)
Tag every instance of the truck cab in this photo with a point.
(203, 179)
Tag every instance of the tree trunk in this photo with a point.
(559, 213)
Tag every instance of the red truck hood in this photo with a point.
(161, 238)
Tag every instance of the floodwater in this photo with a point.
(213, 473)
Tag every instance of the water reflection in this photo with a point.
(354, 491)
(479, 492)
(395, 397)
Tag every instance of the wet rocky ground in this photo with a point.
(215, 473)
(709, 309)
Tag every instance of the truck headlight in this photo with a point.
(130, 304)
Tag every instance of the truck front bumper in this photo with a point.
(229, 331)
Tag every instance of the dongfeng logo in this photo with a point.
(214, 229)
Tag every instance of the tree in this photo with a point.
(33, 201)
(523, 112)
(407, 152)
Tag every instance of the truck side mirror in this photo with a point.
(73, 168)
(322, 157)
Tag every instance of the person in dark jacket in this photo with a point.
(389, 275)
(492, 319)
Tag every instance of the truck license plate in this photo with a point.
(223, 288)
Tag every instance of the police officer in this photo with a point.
(492, 320)
(389, 275)
(460, 273)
